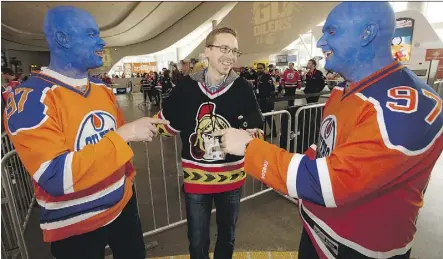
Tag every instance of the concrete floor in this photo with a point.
(266, 223)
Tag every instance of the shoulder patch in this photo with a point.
(409, 115)
(25, 108)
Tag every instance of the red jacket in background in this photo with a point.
(8, 88)
(291, 78)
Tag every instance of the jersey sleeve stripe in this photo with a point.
(291, 181)
(308, 181)
(168, 127)
(55, 176)
(70, 221)
(384, 132)
(325, 182)
(51, 179)
(54, 205)
(103, 202)
(68, 184)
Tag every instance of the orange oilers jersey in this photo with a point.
(65, 138)
(378, 142)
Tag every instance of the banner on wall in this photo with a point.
(401, 44)
(434, 54)
(145, 67)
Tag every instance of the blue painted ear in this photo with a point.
(369, 34)
(62, 39)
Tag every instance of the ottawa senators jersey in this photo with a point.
(65, 138)
(195, 113)
(361, 191)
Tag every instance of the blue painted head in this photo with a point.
(357, 38)
(74, 41)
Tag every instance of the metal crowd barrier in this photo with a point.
(6, 144)
(17, 202)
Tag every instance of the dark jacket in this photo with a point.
(314, 82)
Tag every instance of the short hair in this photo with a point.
(7, 71)
(211, 36)
(262, 64)
(291, 63)
(313, 62)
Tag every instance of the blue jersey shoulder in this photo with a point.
(410, 110)
(25, 108)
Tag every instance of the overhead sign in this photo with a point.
(269, 19)
(434, 54)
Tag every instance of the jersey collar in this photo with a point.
(64, 81)
(371, 79)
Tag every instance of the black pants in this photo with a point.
(313, 99)
(290, 92)
(198, 212)
(124, 236)
(307, 251)
(266, 106)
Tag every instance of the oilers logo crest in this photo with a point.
(327, 137)
(93, 127)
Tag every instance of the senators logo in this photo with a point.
(202, 144)
(328, 136)
(93, 127)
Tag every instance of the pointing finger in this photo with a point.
(158, 121)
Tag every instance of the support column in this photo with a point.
(214, 24)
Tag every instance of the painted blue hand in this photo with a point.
(74, 41)
(357, 38)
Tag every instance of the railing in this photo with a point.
(17, 202)
(6, 144)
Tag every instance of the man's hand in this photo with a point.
(143, 129)
(234, 141)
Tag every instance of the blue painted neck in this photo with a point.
(364, 69)
(61, 66)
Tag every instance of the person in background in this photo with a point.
(290, 81)
(145, 87)
(361, 186)
(72, 138)
(175, 74)
(314, 81)
(11, 83)
(153, 93)
(166, 85)
(202, 103)
(266, 90)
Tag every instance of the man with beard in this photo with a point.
(361, 187)
(72, 138)
(202, 103)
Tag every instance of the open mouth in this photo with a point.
(99, 53)
(328, 54)
(226, 63)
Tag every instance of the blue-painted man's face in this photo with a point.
(85, 45)
(341, 40)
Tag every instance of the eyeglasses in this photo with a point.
(227, 50)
